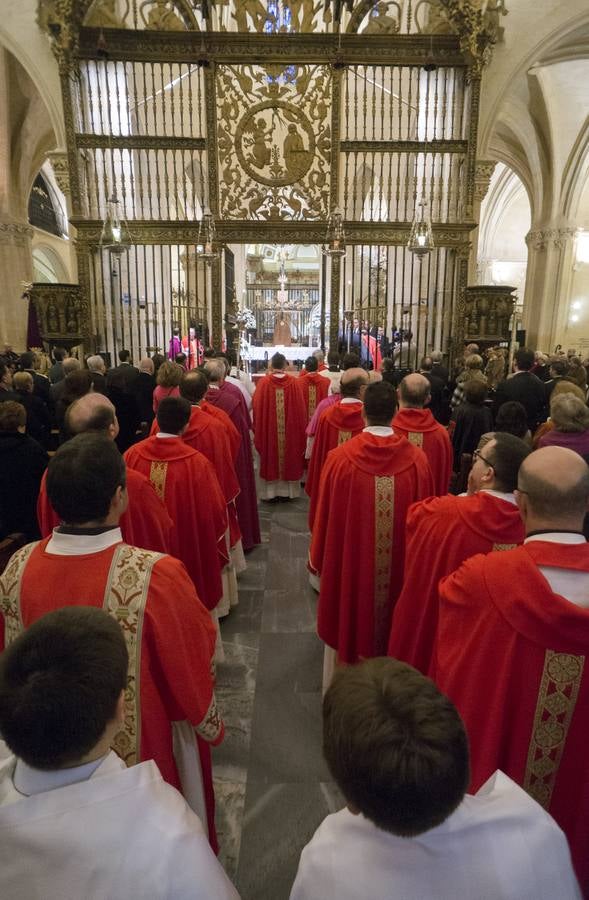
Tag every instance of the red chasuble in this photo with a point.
(222, 416)
(279, 427)
(511, 655)
(420, 428)
(175, 645)
(358, 543)
(186, 482)
(441, 533)
(208, 435)
(145, 523)
(341, 422)
(314, 388)
(229, 400)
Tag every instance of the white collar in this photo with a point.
(214, 387)
(29, 781)
(165, 434)
(379, 430)
(80, 544)
(279, 374)
(501, 495)
(557, 537)
(350, 400)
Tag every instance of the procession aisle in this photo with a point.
(272, 786)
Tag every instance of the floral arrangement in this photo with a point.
(245, 319)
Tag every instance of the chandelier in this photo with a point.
(335, 245)
(421, 239)
(206, 247)
(112, 237)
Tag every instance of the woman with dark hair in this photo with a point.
(471, 420)
(512, 419)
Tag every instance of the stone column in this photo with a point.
(16, 265)
(547, 283)
(483, 173)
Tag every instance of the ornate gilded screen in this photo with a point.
(272, 115)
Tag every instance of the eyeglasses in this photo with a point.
(478, 455)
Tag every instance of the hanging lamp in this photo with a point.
(206, 248)
(335, 245)
(114, 235)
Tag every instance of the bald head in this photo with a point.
(216, 371)
(146, 365)
(194, 386)
(353, 383)
(414, 392)
(92, 412)
(553, 490)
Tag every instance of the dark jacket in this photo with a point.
(471, 423)
(22, 463)
(440, 371)
(123, 374)
(439, 404)
(145, 389)
(38, 417)
(527, 390)
(41, 387)
(56, 373)
(99, 382)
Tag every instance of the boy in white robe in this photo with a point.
(74, 821)
(398, 751)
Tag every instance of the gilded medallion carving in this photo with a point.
(274, 140)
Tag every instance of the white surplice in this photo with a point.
(111, 834)
(498, 845)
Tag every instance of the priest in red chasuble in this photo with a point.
(169, 633)
(186, 483)
(512, 646)
(279, 432)
(420, 428)
(314, 387)
(225, 397)
(358, 542)
(145, 522)
(338, 424)
(444, 531)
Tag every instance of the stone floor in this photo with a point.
(272, 786)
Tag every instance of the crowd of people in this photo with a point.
(455, 622)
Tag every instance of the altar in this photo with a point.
(252, 354)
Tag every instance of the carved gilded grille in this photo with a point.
(271, 131)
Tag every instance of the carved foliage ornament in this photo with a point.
(274, 142)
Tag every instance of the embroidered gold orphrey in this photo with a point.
(384, 511)
(280, 431)
(312, 399)
(501, 547)
(415, 438)
(125, 597)
(157, 475)
(10, 584)
(557, 696)
(343, 436)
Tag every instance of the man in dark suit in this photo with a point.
(145, 389)
(125, 373)
(97, 370)
(438, 367)
(558, 369)
(41, 384)
(6, 390)
(55, 373)
(524, 387)
(439, 404)
(71, 364)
